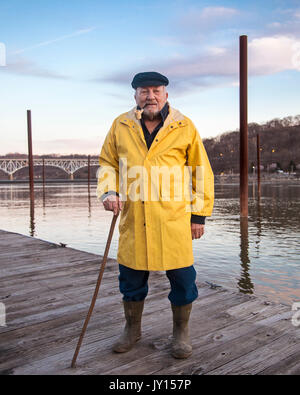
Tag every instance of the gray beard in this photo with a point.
(151, 117)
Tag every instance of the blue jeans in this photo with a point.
(134, 284)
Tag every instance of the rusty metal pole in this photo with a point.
(243, 127)
(30, 157)
(258, 165)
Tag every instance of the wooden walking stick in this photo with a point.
(112, 227)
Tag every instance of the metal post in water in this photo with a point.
(30, 157)
(243, 127)
(258, 165)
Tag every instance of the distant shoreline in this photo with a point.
(51, 181)
(228, 178)
(265, 178)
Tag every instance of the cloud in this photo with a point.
(196, 25)
(23, 66)
(268, 55)
(217, 12)
(216, 50)
(201, 71)
(164, 41)
(27, 67)
(209, 15)
(219, 65)
(49, 42)
(207, 18)
(287, 23)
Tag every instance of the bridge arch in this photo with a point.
(70, 166)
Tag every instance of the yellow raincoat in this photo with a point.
(155, 186)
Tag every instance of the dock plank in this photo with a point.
(47, 290)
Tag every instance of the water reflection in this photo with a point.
(258, 224)
(245, 284)
(32, 222)
(89, 201)
(260, 256)
(44, 195)
(44, 202)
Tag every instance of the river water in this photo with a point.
(260, 256)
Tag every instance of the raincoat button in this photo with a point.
(156, 140)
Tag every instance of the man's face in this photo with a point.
(152, 99)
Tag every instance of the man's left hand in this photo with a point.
(197, 230)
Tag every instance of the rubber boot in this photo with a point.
(132, 331)
(181, 347)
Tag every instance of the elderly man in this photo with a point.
(158, 222)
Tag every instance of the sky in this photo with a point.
(71, 63)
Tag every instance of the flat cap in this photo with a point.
(149, 78)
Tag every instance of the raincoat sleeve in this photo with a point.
(202, 177)
(108, 173)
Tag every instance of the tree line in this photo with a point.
(279, 147)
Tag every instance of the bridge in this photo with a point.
(70, 166)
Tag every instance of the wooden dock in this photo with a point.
(47, 289)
